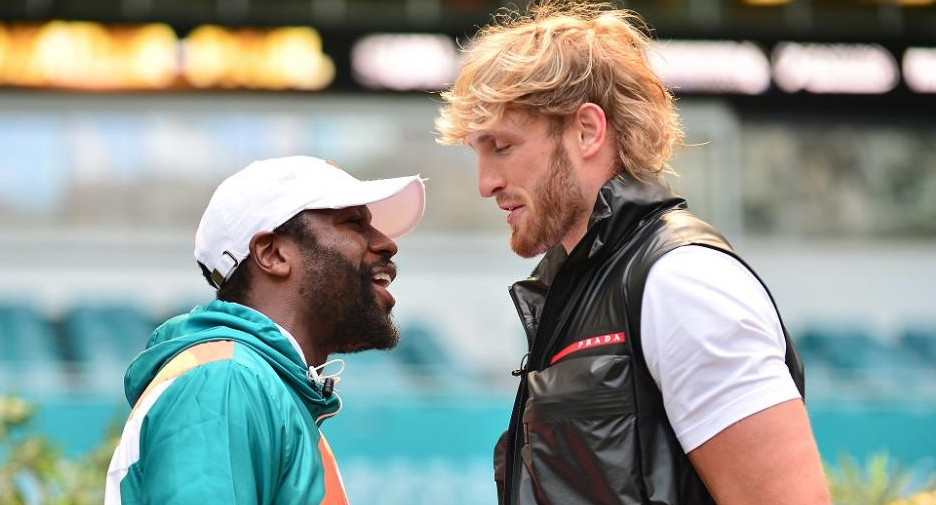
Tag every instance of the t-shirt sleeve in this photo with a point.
(713, 343)
(214, 436)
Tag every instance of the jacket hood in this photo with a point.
(220, 320)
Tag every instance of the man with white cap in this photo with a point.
(228, 399)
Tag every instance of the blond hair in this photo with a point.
(552, 60)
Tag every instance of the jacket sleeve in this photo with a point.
(213, 436)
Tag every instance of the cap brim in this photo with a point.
(398, 213)
(396, 204)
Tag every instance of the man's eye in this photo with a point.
(356, 221)
(501, 148)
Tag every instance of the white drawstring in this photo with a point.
(316, 374)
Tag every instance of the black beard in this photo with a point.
(343, 297)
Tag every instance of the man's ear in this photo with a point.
(591, 128)
(271, 254)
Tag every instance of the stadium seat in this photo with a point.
(373, 372)
(430, 362)
(859, 365)
(811, 348)
(104, 338)
(848, 347)
(420, 347)
(25, 336)
(919, 339)
(28, 349)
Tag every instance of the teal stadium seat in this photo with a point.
(811, 348)
(28, 350)
(432, 363)
(857, 363)
(419, 365)
(103, 339)
(848, 348)
(919, 340)
(373, 372)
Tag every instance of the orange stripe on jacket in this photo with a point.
(334, 488)
(188, 359)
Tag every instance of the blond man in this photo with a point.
(659, 370)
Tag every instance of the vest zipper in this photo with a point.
(513, 429)
(524, 366)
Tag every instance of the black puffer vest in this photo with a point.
(588, 425)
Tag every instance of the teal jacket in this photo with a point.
(223, 413)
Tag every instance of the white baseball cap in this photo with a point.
(267, 193)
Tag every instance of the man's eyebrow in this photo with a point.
(362, 211)
(481, 139)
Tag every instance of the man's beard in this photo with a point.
(558, 203)
(343, 298)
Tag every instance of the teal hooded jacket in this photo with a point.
(223, 412)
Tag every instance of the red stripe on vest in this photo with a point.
(588, 343)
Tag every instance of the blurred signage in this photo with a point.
(95, 57)
(919, 68)
(88, 55)
(283, 58)
(711, 66)
(397, 61)
(719, 67)
(835, 68)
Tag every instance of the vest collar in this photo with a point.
(622, 204)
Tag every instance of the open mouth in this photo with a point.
(382, 279)
(513, 213)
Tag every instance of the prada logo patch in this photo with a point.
(589, 343)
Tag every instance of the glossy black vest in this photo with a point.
(591, 428)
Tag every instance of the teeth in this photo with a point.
(383, 279)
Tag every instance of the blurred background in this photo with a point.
(813, 149)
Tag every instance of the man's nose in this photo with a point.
(490, 179)
(383, 245)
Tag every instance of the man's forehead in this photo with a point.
(355, 209)
(509, 123)
(511, 119)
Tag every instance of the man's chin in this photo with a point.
(526, 248)
(387, 337)
(385, 343)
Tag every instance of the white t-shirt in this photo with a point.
(713, 343)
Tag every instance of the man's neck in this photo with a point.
(578, 230)
(297, 329)
(293, 341)
(574, 236)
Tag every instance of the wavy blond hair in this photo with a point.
(555, 58)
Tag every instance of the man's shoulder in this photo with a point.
(663, 233)
(215, 368)
(235, 361)
(696, 275)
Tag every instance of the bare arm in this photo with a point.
(767, 458)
